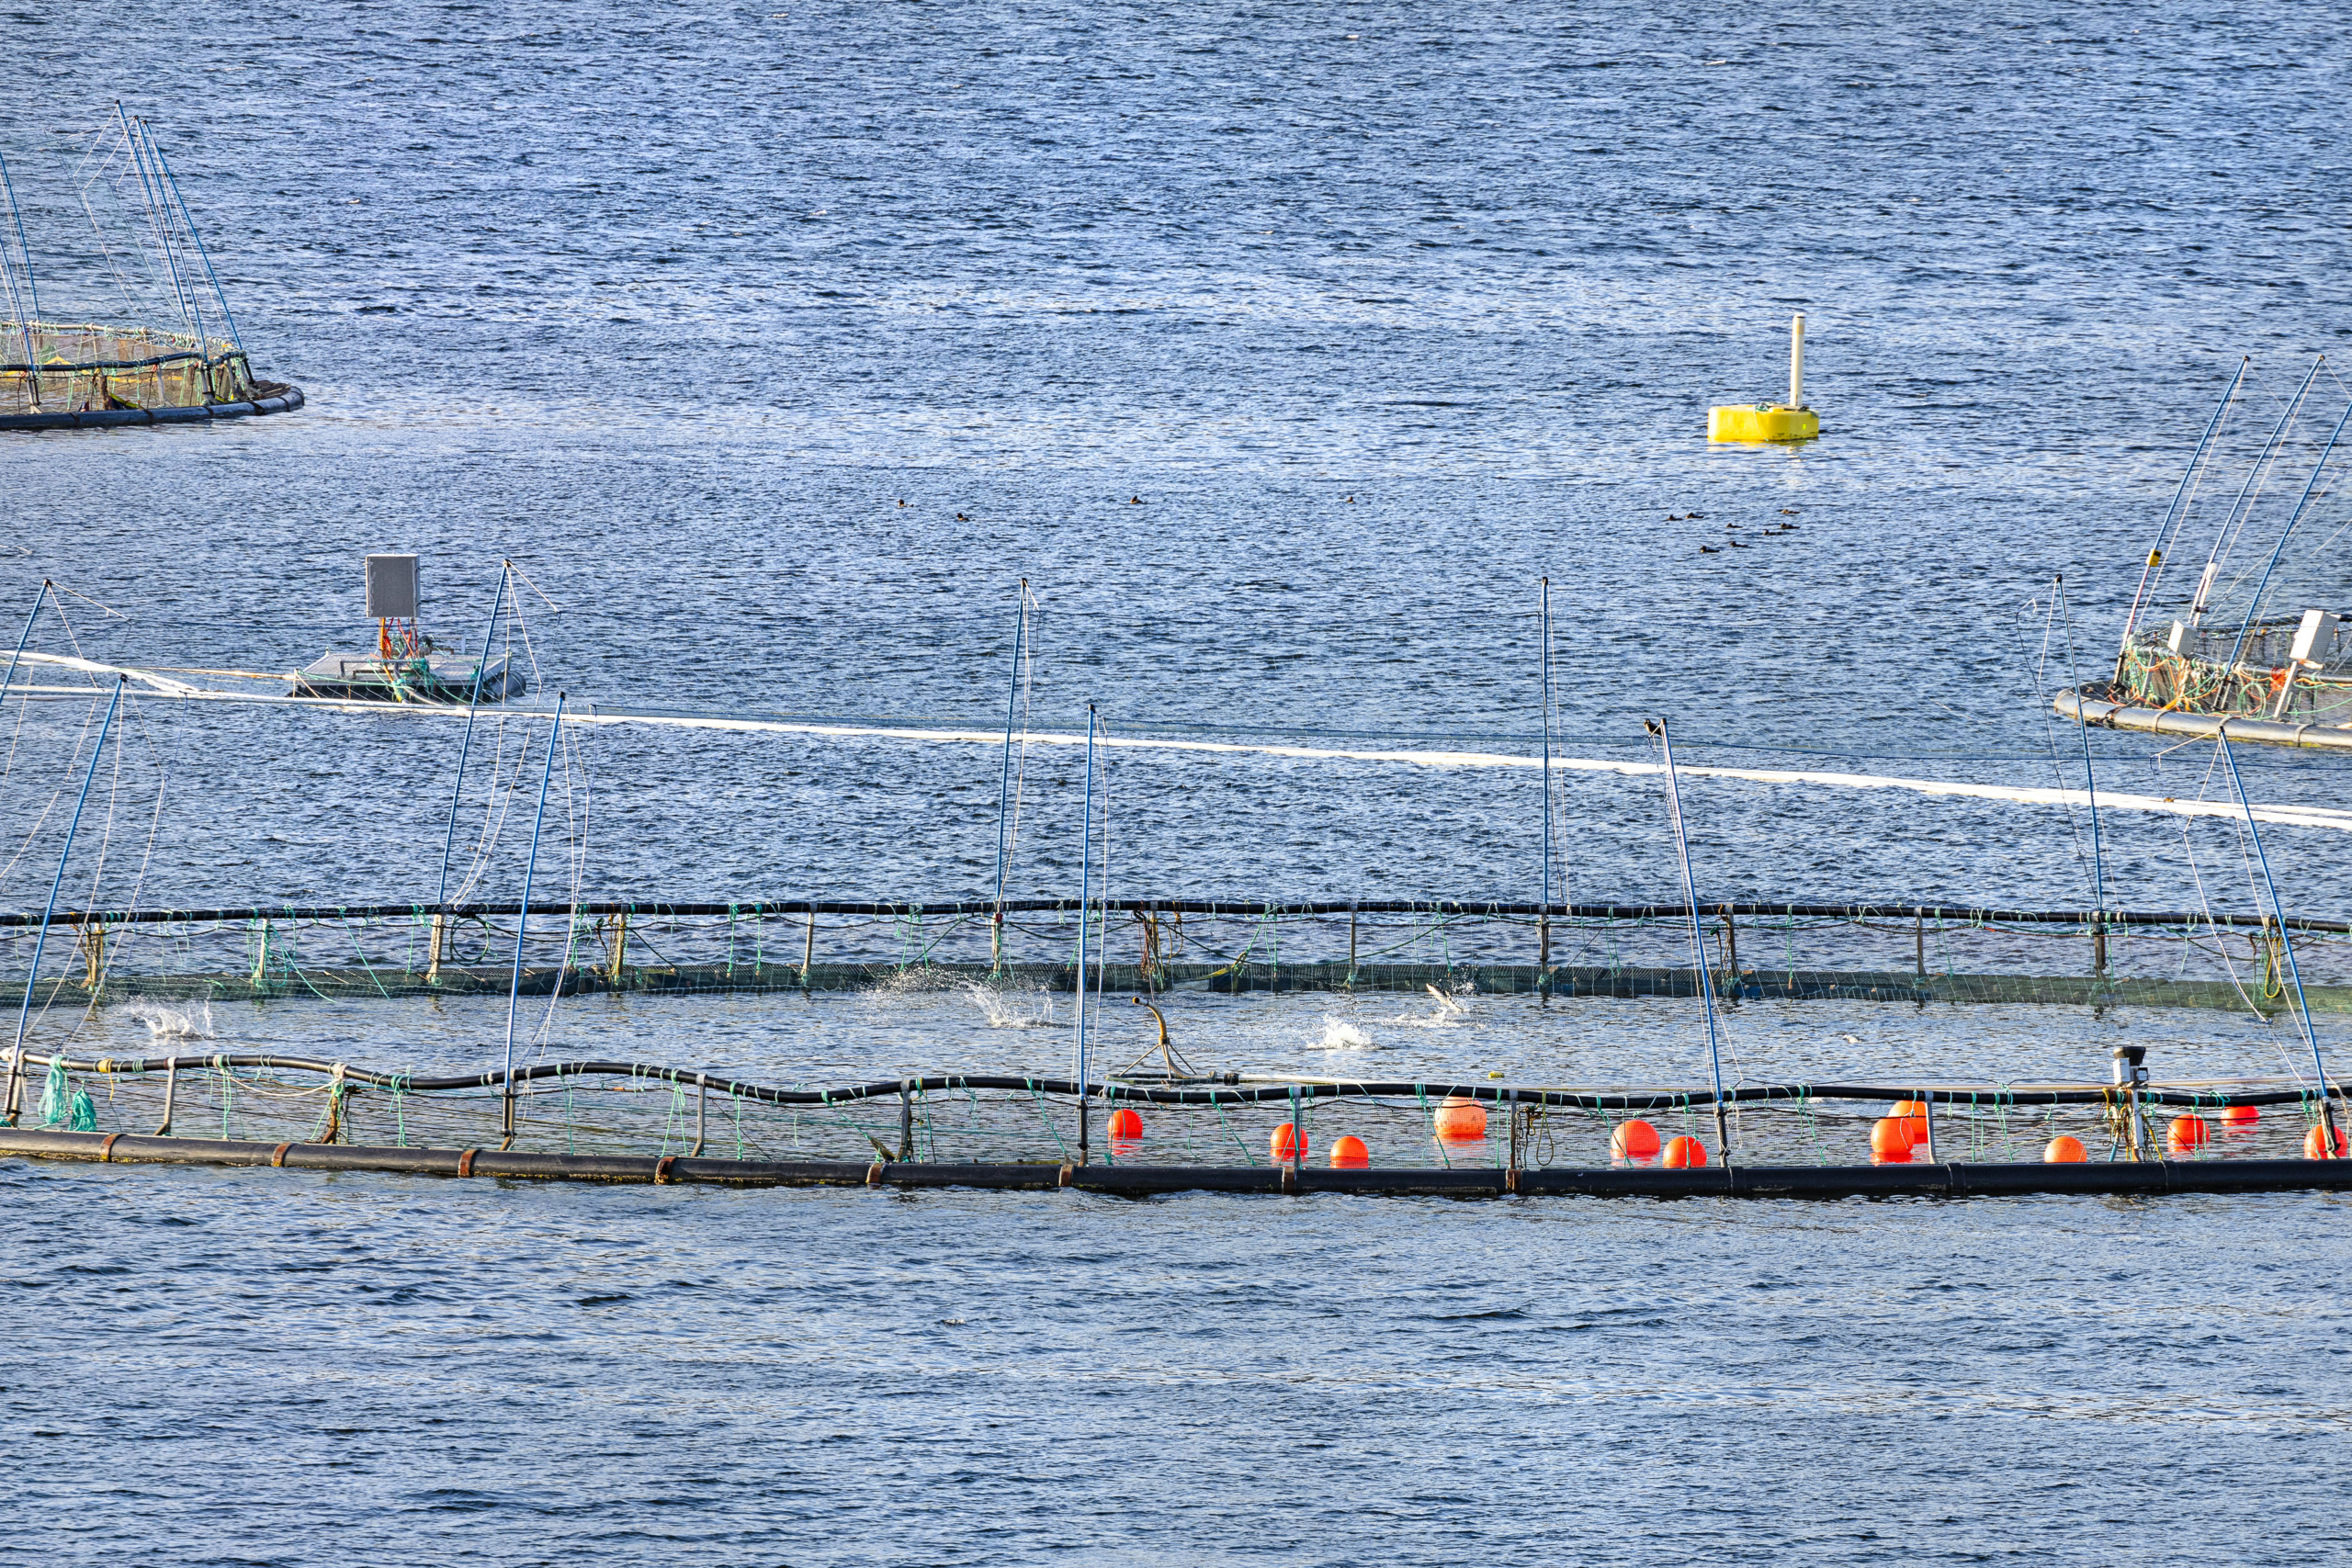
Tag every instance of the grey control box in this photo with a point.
(391, 588)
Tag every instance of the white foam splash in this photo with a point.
(1012, 1009)
(1339, 1034)
(170, 1023)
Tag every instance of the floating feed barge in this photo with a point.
(172, 355)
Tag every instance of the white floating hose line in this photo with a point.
(2288, 815)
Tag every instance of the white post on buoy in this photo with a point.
(1796, 360)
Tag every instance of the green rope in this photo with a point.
(361, 954)
(1428, 1120)
(1249, 1155)
(1039, 1096)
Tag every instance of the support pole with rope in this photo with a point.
(523, 922)
(25, 636)
(41, 937)
(1698, 937)
(1085, 907)
(1543, 900)
(1004, 783)
(2287, 946)
(465, 748)
(2173, 514)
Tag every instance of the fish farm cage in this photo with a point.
(627, 1121)
(59, 375)
(171, 353)
(1846, 952)
(1160, 1125)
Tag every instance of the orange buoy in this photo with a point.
(2240, 1115)
(2315, 1143)
(1125, 1123)
(1891, 1140)
(1913, 1114)
(1284, 1151)
(1632, 1140)
(1349, 1154)
(1461, 1120)
(2063, 1150)
(2187, 1132)
(1685, 1154)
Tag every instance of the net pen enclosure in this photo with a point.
(137, 329)
(622, 1122)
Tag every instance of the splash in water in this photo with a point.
(1339, 1034)
(170, 1023)
(1012, 1009)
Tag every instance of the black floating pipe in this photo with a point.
(1232, 1093)
(1949, 1181)
(1251, 909)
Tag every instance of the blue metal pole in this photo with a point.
(41, 939)
(32, 284)
(2279, 918)
(23, 636)
(1698, 940)
(2263, 587)
(523, 914)
(2173, 512)
(1004, 783)
(202, 254)
(2269, 448)
(1547, 898)
(1085, 907)
(2090, 780)
(1543, 901)
(449, 838)
(188, 313)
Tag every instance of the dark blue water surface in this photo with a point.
(1283, 348)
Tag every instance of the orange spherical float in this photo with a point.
(1350, 1154)
(1125, 1123)
(1891, 1140)
(1461, 1120)
(1684, 1153)
(1913, 1114)
(2240, 1115)
(2063, 1150)
(2315, 1143)
(2187, 1132)
(1288, 1143)
(1633, 1140)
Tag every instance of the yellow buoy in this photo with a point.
(1791, 420)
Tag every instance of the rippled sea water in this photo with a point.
(1281, 347)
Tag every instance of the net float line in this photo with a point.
(1952, 1180)
(1230, 1090)
(1228, 907)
